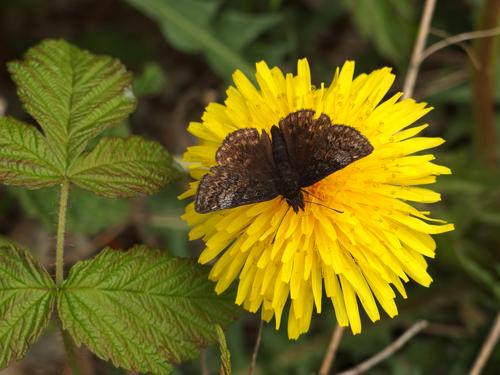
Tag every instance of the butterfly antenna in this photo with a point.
(319, 204)
(323, 205)
(279, 225)
(311, 194)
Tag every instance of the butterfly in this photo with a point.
(253, 167)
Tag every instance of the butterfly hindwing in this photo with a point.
(244, 174)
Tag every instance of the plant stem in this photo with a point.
(253, 362)
(482, 86)
(332, 350)
(487, 348)
(416, 57)
(61, 230)
(61, 227)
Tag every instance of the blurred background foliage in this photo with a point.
(182, 54)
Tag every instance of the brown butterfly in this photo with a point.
(252, 167)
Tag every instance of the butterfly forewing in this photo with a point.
(320, 148)
(244, 174)
(336, 146)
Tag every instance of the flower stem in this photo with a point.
(61, 227)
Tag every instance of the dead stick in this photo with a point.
(332, 350)
(487, 348)
(388, 351)
(416, 57)
(455, 39)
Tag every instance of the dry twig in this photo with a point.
(455, 39)
(388, 351)
(416, 57)
(464, 46)
(332, 350)
(487, 348)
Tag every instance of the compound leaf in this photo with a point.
(26, 302)
(25, 157)
(73, 94)
(142, 308)
(123, 167)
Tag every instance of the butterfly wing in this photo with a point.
(320, 148)
(244, 173)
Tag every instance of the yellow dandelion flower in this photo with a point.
(358, 239)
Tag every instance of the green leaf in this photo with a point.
(73, 94)
(388, 23)
(87, 213)
(142, 308)
(151, 81)
(193, 26)
(123, 167)
(474, 269)
(26, 302)
(225, 355)
(249, 26)
(25, 157)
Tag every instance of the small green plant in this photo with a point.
(141, 309)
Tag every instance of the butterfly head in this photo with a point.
(296, 201)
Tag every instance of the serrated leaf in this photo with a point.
(225, 355)
(142, 308)
(193, 26)
(26, 302)
(25, 157)
(73, 94)
(123, 167)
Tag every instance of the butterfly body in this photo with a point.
(252, 167)
(287, 180)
